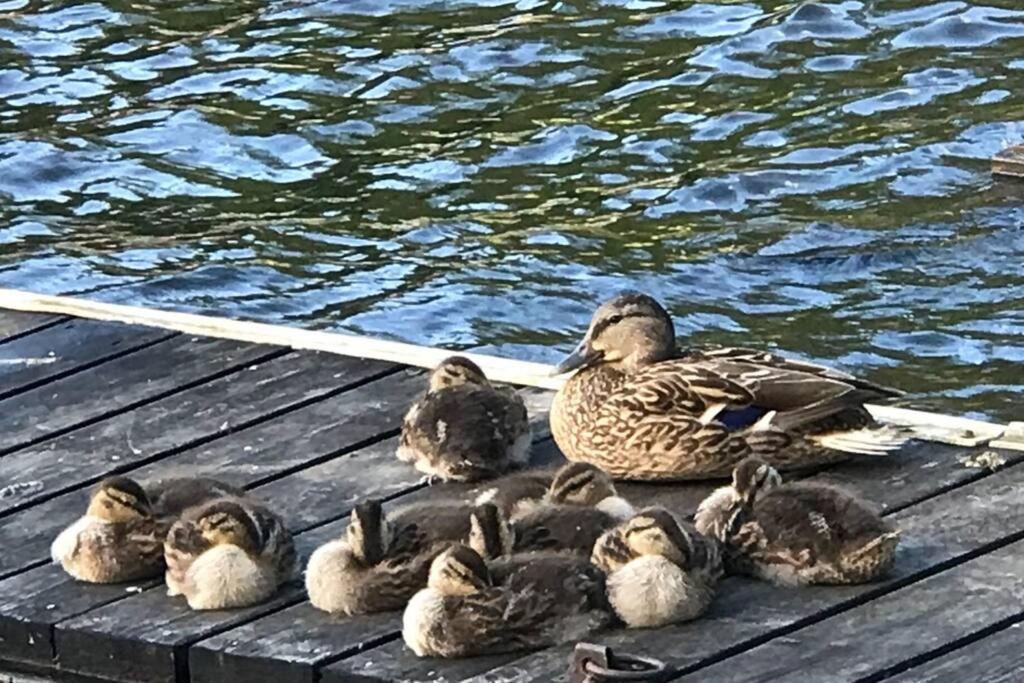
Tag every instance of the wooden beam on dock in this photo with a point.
(1009, 162)
(958, 431)
(523, 373)
(312, 434)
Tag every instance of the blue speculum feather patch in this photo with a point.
(742, 418)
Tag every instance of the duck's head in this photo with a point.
(753, 477)
(458, 571)
(455, 371)
(369, 534)
(228, 522)
(489, 533)
(119, 499)
(580, 483)
(627, 332)
(656, 531)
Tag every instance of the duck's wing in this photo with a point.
(171, 497)
(545, 585)
(517, 419)
(848, 517)
(565, 528)
(677, 419)
(494, 621)
(673, 388)
(797, 521)
(518, 490)
(426, 527)
(782, 383)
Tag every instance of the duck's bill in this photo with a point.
(581, 357)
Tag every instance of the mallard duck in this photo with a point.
(384, 559)
(521, 603)
(463, 428)
(641, 408)
(580, 505)
(579, 484)
(121, 536)
(660, 571)
(798, 532)
(230, 552)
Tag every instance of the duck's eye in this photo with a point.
(107, 504)
(615, 319)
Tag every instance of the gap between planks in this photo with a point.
(958, 431)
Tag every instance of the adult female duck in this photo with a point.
(639, 407)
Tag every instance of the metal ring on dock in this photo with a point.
(597, 663)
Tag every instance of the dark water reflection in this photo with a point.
(811, 176)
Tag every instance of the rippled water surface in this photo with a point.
(812, 176)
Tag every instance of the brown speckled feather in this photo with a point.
(808, 533)
(465, 433)
(518, 490)
(648, 426)
(539, 600)
(571, 528)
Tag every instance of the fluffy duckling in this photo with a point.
(384, 559)
(522, 603)
(659, 571)
(581, 504)
(121, 535)
(796, 533)
(463, 428)
(575, 483)
(514, 494)
(228, 553)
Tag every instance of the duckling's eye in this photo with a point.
(107, 504)
(615, 319)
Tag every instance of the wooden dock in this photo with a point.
(313, 432)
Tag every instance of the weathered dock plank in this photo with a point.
(997, 658)
(314, 433)
(940, 532)
(256, 393)
(15, 324)
(862, 643)
(67, 347)
(129, 381)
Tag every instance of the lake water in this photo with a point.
(812, 177)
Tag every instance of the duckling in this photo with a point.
(572, 484)
(228, 553)
(580, 505)
(796, 533)
(516, 493)
(584, 484)
(121, 535)
(463, 428)
(524, 603)
(659, 570)
(641, 408)
(385, 559)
